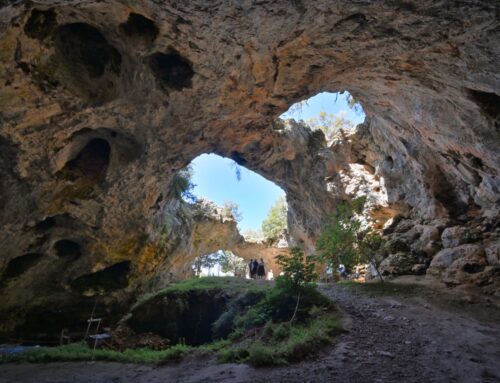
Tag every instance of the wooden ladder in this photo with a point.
(90, 322)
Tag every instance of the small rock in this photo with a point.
(386, 354)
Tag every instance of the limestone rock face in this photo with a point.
(492, 250)
(464, 264)
(454, 236)
(103, 102)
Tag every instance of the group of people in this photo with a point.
(256, 269)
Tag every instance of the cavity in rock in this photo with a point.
(46, 224)
(83, 47)
(111, 278)
(171, 70)
(91, 163)
(19, 265)
(66, 248)
(40, 24)
(140, 27)
(489, 103)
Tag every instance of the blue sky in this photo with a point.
(215, 176)
(326, 102)
(215, 179)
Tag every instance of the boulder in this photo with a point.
(453, 236)
(429, 241)
(395, 245)
(457, 265)
(492, 250)
(397, 264)
(446, 257)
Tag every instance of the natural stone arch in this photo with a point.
(429, 105)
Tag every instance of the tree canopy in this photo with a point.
(330, 123)
(276, 219)
(182, 185)
(346, 240)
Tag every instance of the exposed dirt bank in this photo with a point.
(404, 335)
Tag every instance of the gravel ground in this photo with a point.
(425, 338)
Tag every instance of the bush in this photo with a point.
(298, 270)
(260, 355)
(233, 355)
(347, 240)
(281, 331)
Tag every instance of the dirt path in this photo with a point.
(390, 339)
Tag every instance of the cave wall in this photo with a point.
(102, 102)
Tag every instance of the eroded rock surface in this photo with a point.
(102, 102)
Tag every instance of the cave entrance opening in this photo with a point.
(222, 263)
(257, 205)
(328, 112)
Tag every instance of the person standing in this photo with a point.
(255, 267)
(250, 269)
(261, 271)
(342, 271)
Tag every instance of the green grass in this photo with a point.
(81, 352)
(258, 323)
(230, 284)
(264, 336)
(279, 344)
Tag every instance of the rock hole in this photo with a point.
(46, 224)
(474, 161)
(489, 103)
(40, 24)
(83, 47)
(19, 265)
(66, 248)
(445, 193)
(91, 163)
(472, 268)
(111, 278)
(171, 70)
(140, 27)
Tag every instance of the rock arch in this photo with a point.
(430, 101)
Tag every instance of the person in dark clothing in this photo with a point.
(261, 271)
(251, 269)
(255, 266)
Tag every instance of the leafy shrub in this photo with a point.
(281, 331)
(346, 240)
(298, 270)
(260, 355)
(234, 354)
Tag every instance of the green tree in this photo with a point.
(297, 268)
(276, 220)
(232, 263)
(182, 185)
(206, 261)
(346, 240)
(330, 123)
(298, 275)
